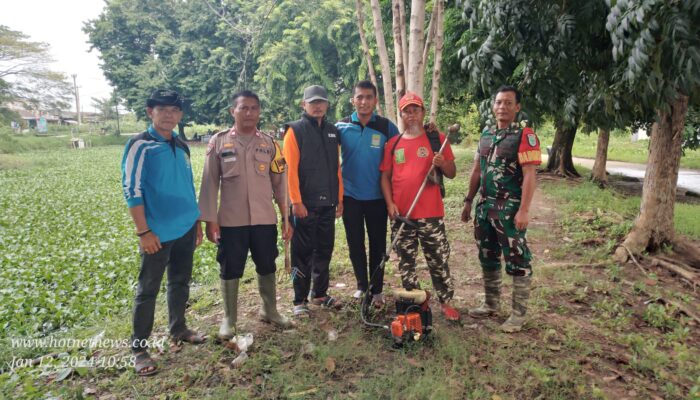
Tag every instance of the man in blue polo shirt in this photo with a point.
(362, 139)
(159, 191)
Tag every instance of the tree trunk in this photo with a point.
(430, 37)
(599, 174)
(398, 55)
(437, 62)
(560, 158)
(415, 47)
(404, 38)
(365, 49)
(384, 60)
(654, 225)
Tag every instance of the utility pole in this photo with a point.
(77, 99)
(116, 108)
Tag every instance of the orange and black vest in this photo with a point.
(318, 161)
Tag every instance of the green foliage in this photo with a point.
(556, 53)
(661, 317)
(656, 47)
(311, 43)
(209, 51)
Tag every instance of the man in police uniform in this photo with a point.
(504, 175)
(247, 168)
(159, 191)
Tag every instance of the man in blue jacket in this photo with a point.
(362, 139)
(159, 191)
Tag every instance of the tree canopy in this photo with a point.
(25, 77)
(209, 50)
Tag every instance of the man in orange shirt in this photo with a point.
(316, 193)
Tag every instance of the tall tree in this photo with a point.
(555, 52)
(384, 60)
(437, 64)
(656, 46)
(25, 77)
(365, 48)
(398, 30)
(599, 173)
(415, 76)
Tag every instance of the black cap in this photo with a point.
(315, 92)
(164, 97)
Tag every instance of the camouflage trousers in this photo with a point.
(430, 233)
(495, 232)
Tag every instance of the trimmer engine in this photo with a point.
(414, 320)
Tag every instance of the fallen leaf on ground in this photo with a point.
(413, 362)
(303, 393)
(232, 346)
(89, 390)
(330, 365)
(473, 359)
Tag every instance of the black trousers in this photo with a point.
(176, 257)
(312, 247)
(234, 244)
(356, 215)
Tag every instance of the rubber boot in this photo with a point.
(268, 293)
(521, 294)
(492, 291)
(229, 292)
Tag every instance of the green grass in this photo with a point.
(620, 147)
(620, 209)
(69, 260)
(24, 143)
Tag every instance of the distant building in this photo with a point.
(31, 117)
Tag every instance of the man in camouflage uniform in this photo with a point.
(505, 177)
(407, 159)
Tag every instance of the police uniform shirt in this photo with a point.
(248, 174)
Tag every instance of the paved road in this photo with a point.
(688, 179)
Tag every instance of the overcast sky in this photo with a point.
(59, 23)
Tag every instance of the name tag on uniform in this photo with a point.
(376, 140)
(229, 156)
(399, 156)
(331, 135)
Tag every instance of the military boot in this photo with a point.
(492, 290)
(521, 293)
(229, 292)
(268, 293)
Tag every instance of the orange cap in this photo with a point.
(410, 98)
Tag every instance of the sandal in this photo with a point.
(191, 337)
(328, 302)
(301, 310)
(144, 364)
(378, 300)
